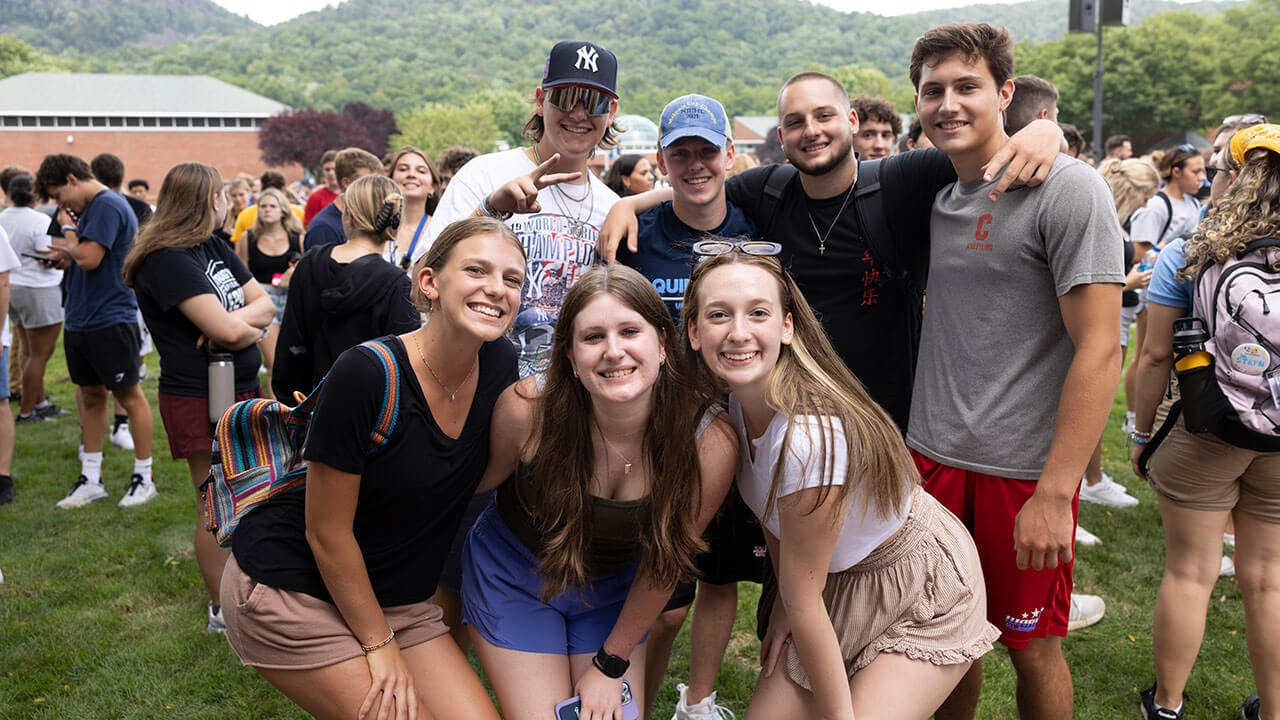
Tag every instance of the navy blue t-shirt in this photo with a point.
(325, 228)
(98, 298)
(666, 249)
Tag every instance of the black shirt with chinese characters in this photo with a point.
(869, 323)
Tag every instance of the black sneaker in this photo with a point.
(6, 491)
(31, 417)
(1147, 701)
(1251, 708)
(48, 409)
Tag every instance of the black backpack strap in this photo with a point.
(1144, 459)
(873, 217)
(1168, 204)
(775, 187)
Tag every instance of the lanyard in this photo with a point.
(416, 234)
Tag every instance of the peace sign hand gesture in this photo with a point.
(521, 194)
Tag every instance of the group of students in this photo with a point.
(619, 444)
(566, 431)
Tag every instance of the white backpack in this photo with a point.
(1239, 300)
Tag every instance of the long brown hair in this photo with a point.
(561, 468)
(434, 198)
(183, 217)
(810, 379)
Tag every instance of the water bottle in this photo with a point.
(1202, 400)
(1148, 260)
(1189, 336)
(222, 384)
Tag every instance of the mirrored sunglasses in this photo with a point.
(595, 102)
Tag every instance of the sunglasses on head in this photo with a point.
(595, 102)
(705, 249)
(1247, 119)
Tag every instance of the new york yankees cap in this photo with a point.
(578, 62)
(693, 116)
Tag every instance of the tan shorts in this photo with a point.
(1201, 472)
(921, 594)
(285, 630)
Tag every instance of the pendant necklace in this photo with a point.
(453, 392)
(626, 462)
(822, 238)
(577, 227)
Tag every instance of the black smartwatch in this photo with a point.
(611, 665)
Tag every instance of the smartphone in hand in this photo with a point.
(569, 709)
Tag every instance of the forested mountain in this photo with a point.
(404, 53)
(448, 66)
(78, 27)
(1044, 20)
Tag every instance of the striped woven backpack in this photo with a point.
(257, 448)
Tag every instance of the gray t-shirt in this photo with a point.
(994, 351)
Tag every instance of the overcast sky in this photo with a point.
(269, 13)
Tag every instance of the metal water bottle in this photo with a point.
(222, 383)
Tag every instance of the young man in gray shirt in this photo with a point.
(1019, 358)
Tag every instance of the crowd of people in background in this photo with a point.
(615, 394)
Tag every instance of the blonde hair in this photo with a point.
(1130, 180)
(369, 204)
(288, 220)
(811, 379)
(1248, 210)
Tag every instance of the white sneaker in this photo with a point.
(1107, 492)
(1085, 611)
(705, 710)
(1086, 538)
(216, 623)
(83, 493)
(139, 491)
(1228, 567)
(121, 437)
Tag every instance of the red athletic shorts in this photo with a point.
(1024, 604)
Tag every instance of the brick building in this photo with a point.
(152, 122)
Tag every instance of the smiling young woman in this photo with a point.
(617, 463)
(328, 591)
(857, 545)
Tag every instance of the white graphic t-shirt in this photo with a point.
(560, 241)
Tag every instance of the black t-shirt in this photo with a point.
(141, 209)
(171, 275)
(871, 326)
(413, 491)
(665, 256)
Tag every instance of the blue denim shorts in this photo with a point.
(500, 596)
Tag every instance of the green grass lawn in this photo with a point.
(102, 610)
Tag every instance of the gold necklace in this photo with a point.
(440, 382)
(626, 462)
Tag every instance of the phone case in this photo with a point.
(569, 709)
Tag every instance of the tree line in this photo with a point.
(460, 71)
